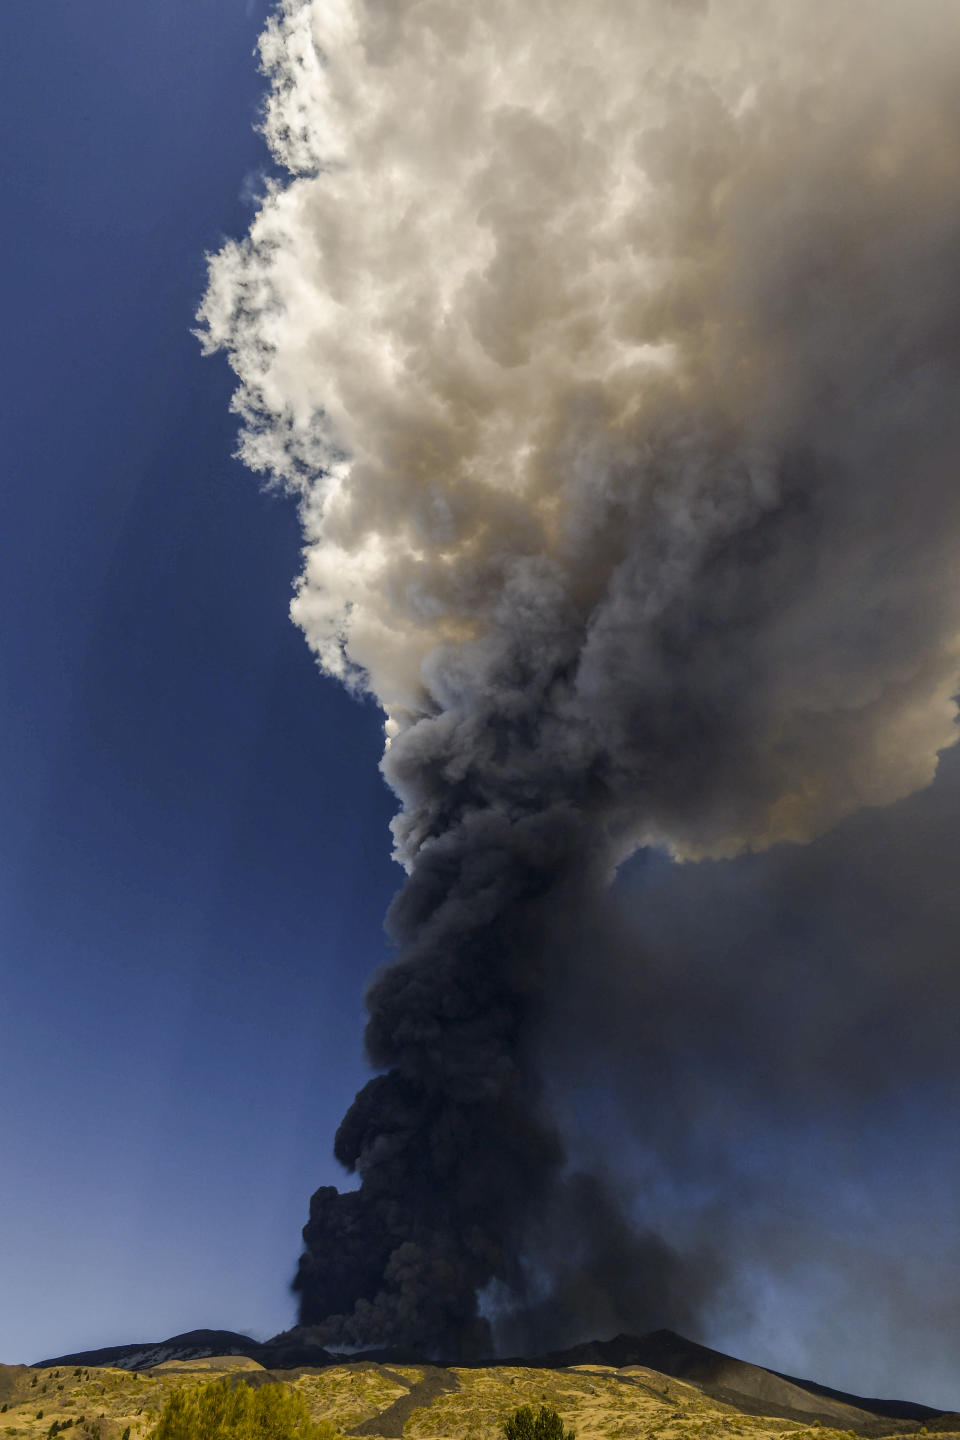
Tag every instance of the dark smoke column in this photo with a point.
(453, 1156)
(612, 355)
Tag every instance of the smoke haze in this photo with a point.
(611, 351)
(772, 1043)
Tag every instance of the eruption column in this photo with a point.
(612, 353)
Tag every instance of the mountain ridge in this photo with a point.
(751, 1389)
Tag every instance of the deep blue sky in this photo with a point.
(194, 859)
(194, 855)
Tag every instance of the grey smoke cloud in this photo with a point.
(611, 352)
(772, 1041)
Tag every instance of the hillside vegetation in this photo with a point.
(391, 1401)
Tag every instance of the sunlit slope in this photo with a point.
(424, 1402)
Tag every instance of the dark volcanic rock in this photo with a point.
(194, 1345)
(293, 1348)
(390, 1422)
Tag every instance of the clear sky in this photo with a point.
(195, 857)
(194, 850)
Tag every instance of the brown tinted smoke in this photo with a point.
(612, 351)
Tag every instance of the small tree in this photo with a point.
(222, 1411)
(545, 1425)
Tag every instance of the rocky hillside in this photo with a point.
(605, 1391)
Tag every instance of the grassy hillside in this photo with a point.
(414, 1402)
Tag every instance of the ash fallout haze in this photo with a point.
(611, 353)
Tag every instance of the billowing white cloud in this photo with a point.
(618, 343)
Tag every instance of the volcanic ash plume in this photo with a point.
(612, 352)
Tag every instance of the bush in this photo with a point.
(545, 1425)
(222, 1411)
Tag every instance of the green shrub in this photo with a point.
(545, 1425)
(222, 1411)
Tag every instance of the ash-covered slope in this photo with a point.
(285, 1351)
(192, 1345)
